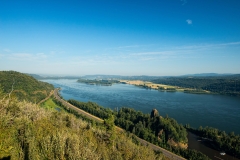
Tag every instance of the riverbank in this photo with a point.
(195, 142)
(163, 87)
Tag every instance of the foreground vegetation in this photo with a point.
(50, 131)
(24, 87)
(164, 132)
(28, 131)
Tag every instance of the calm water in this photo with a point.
(193, 143)
(222, 112)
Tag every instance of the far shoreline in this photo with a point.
(163, 87)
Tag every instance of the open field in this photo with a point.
(162, 87)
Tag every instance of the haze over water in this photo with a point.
(218, 111)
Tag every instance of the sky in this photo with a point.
(120, 37)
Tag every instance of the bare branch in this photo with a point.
(12, 89)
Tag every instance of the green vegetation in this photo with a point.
(23, 86)
(52, 131)
(28, 131)
(51, 104)
(229, 85)
(165, 132)
(98, 82)
(167, 89)
(219, 140)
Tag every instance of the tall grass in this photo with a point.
(28, 131)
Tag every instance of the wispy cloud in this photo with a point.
(208, 46)
(152, 53)
(26, 56)
(190, 51)
(184, 2)
(230, 43)
(7, 50)
(189, 21)
(129, 47)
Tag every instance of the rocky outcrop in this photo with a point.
(154, 113)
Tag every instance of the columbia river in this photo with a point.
(218, 111)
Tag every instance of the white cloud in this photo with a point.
(189, 21)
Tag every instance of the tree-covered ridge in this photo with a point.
(143, 125)
(28, 131)
(98, 82)
(229, 85)
(24, 86)
(164, 132)
(160, 128)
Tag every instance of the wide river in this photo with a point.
(222, 112)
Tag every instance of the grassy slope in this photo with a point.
(31, 132)
(50, 104)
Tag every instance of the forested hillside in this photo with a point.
(23, 86)
(229, 85)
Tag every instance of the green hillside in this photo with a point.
(24, 86)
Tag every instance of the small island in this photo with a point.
(100, 82)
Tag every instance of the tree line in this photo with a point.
(229, 85)
(219, 140)
(98, 82)
(153, 128)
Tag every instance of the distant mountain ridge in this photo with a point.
(208, 74)
(141, 77)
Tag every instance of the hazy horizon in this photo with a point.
(196, 74)
(154, 38)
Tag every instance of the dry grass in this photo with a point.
(30, 132)
(148, 84)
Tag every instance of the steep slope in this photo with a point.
(30, 132)
(24, 86)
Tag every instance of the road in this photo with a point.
(50, 94)
(82, 112)
(166, 153)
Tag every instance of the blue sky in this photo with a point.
(158, 37)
